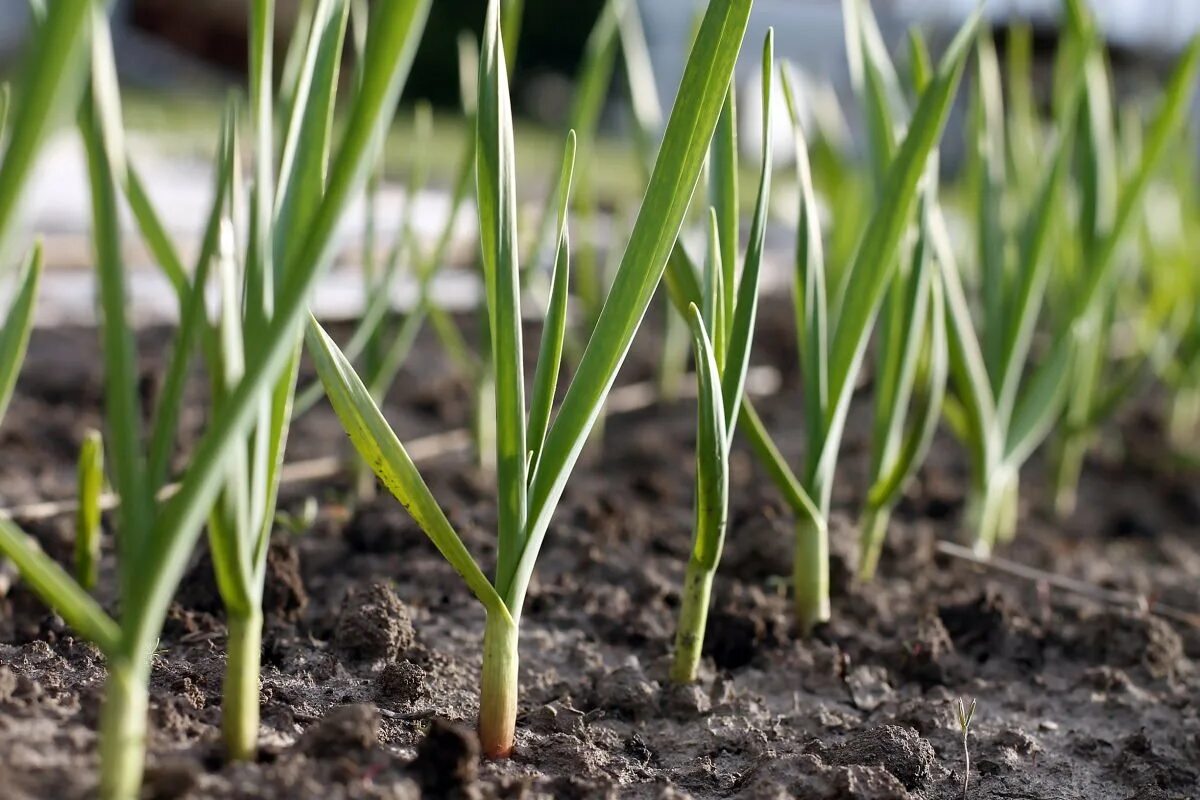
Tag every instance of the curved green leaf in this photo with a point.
(377, 444)
(693, 119)
(554, 326)
(18, 323)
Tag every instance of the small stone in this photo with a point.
(171, 778)
(379, 526)
(401, 682)
(924, 653)
(626, 690)
(8, 683)
(869, 687)
(1107, 679)
(284, 595)
(901, 751)
(1126, 639)
(447, 762)
(733, 638)
(687, 701)
(1018, 741)
(342, 731)
(373, 624)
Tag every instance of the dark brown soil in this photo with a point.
(372, 645)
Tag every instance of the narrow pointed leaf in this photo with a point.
(123, 409)
(693, 119)
(391, 44)
(1171, 114)
(745, 308)
(712, 470)
(809, 293)
(193, 324)
(723, 196)
(18, 323)
(496, 187)
(59, 590)
(49, 88)
(1039, 406)
(554, 326)
(874, 261)
(379, 447)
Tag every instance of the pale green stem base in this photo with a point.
(992, 512)
(1068, 467)
(810, 574)
(872, 532)
(693, 617)
(123, 731)
(498, 688)
(240, 691)
(1009, 508)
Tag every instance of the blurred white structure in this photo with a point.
(1153, 26)
(14, 19)
(809, 34)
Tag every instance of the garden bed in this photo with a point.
(371, 652)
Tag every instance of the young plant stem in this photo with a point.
(1068, 465)
(693, 617)
(240, 690)
(123, 728)
(873, 531)
(992, 511)
(810, 572)
(498, 687)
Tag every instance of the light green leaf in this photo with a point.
(590, 92)
(49, 88)
(18, 323)
(712, 452)
(554, 326)
(496, 181)
(693, 119)
(723, 196)
(391, 43)
(1039, 406)
(102, 142)
(59, 590)
(380, 448)
(809, 295)
(305, 160)
(740, 333)
(869, 273)
(713, 306)
(193, 320)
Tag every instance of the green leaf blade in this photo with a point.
(18, 324)
(554, 327)
(676, 172)
(380, 448)
(496, 188)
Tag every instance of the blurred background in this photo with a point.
(200, 45)
(179, 60)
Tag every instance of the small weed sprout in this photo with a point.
(964, 716)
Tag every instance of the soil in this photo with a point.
(372, 643)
